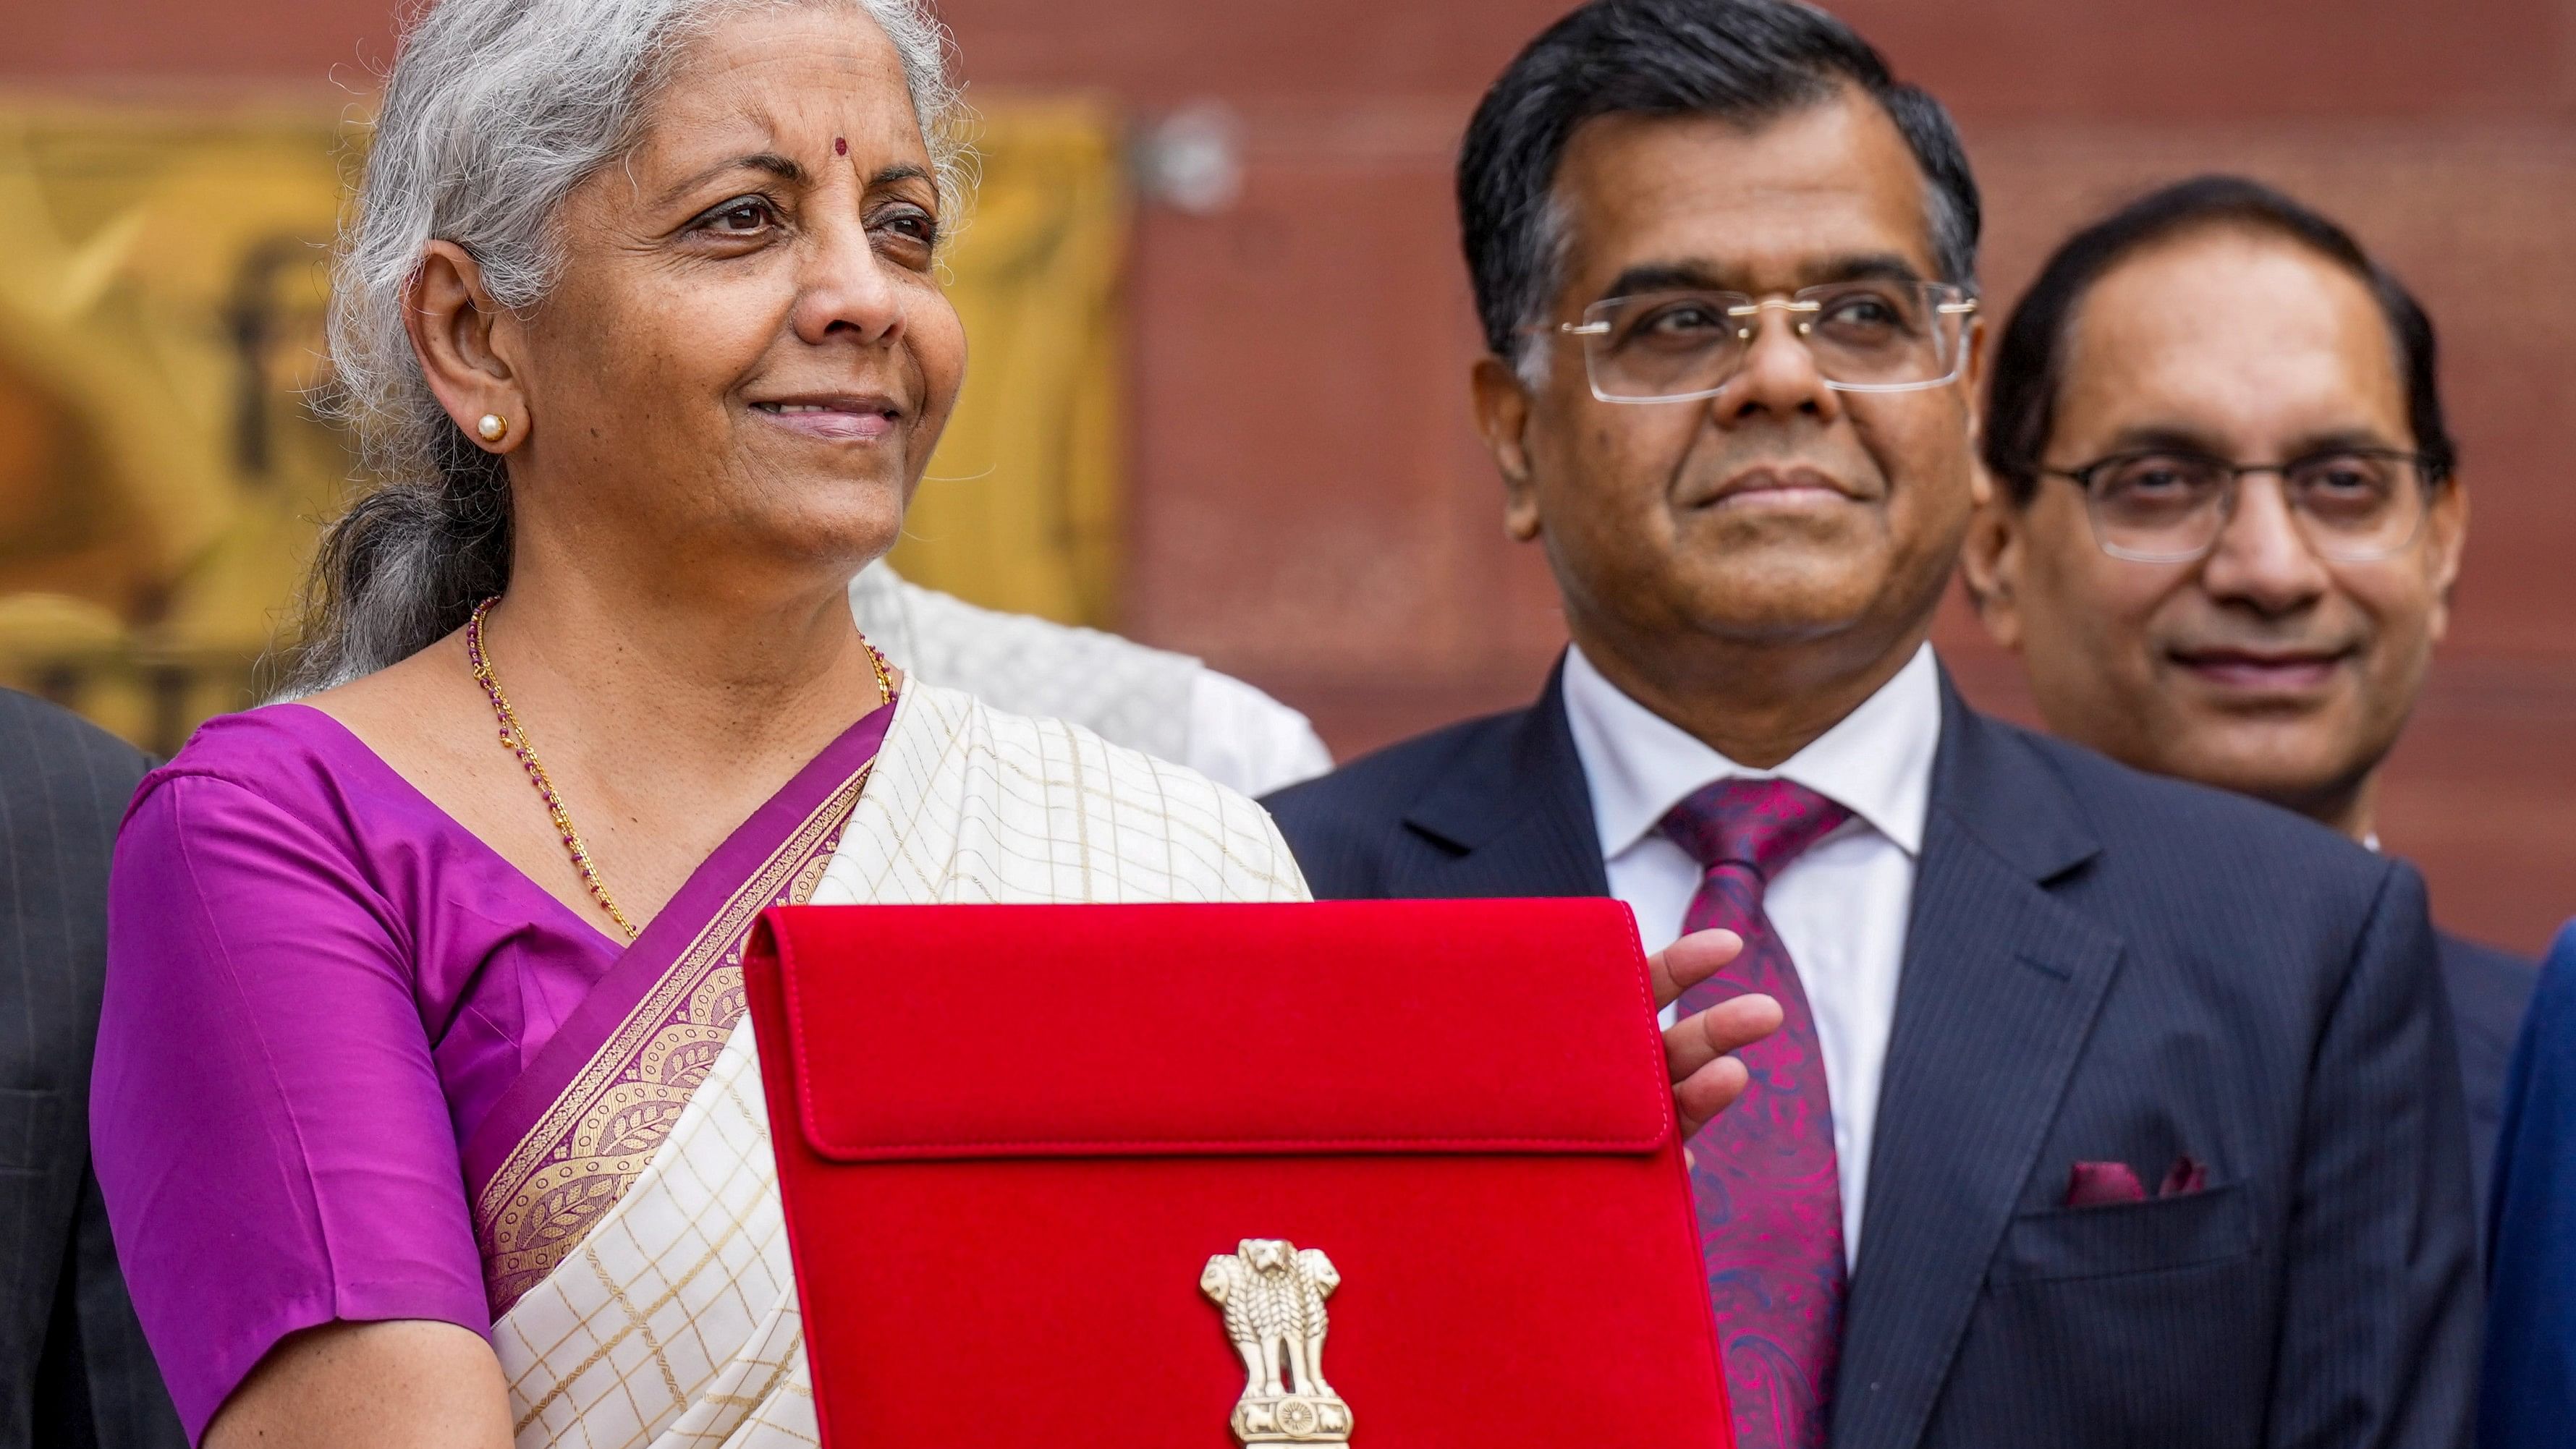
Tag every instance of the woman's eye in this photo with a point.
(911, 225)
(745, 217)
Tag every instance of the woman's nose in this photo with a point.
(846, 289)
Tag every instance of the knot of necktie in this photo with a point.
(1760, 824)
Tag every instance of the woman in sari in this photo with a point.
(420, 1106)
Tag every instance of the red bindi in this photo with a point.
(840, 145)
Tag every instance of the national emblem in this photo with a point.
(1273, 1296)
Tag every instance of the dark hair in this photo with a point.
(1746, 60)
(2030, 361)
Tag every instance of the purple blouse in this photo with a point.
(318, 985)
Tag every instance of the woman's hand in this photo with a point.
(1706, 1077)
(405, 1384)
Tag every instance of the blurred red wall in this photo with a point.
(1309, 508)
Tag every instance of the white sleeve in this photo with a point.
(1241, 737)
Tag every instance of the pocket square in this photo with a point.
(2100, 1184)
(2103, 1184)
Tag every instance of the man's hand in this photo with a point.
(1706, 1077)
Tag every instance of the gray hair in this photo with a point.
(495, 112)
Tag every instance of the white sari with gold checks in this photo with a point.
(670, 1318)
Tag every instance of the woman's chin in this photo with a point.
(848, 536)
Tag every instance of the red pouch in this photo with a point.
(1025, 1149)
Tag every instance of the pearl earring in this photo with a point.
(494, 427)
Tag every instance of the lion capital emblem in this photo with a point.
(1273, 1295)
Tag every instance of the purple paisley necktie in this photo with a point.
(1763, 1174)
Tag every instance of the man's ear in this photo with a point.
(470, 348)
(2446, 535)
(1502, 403)
(1990, 561)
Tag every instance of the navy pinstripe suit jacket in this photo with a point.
(2101, 966)
(74, 1370)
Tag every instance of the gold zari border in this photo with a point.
(574, 1166)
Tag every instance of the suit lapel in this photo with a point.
(2001, 986)
(1513, 816)
(2000, 989)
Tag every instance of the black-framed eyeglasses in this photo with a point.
(1869, 336)
(2353, 505)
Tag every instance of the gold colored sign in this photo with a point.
(164, 472)
(161, 292)
(1273, 1295)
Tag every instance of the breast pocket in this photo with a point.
(2144, 1323)
(2158, 1235)
(27, 1127)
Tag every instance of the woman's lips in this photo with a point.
(2262, 673)
(831, 422)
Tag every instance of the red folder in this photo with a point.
(1178, 1177)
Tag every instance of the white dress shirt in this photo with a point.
(1840, 908)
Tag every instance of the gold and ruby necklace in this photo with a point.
(514, 738)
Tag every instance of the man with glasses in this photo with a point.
(2098, 1112)
(2228, 524)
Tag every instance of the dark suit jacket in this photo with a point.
(2101, 966)
(2489, 992)
(74, 1370)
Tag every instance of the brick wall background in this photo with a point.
(1308, 507)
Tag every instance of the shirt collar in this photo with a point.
(1876, 762)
